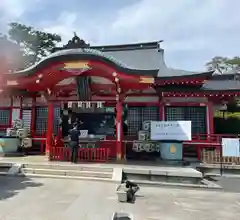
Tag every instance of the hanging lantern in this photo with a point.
(119, 90)
(70, 104)
(49, 91)
(80, 104)
(88, 105)
(99, 104)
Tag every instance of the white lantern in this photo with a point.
(99, 104)
(88, 105)
(27, 143)
(70, 104)
(80, 104)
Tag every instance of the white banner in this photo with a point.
(230, 147)
(171, 130)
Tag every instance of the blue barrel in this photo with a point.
(171, 150)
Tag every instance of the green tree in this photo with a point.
(33, 43)
(224, 64)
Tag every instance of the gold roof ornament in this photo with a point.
(149, 80)
(76, 65)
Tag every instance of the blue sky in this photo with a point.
(193, 31)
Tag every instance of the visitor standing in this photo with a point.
(74, 142)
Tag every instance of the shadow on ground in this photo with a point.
(229, 184)
(11, 186)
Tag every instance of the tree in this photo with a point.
(33, 43)
(222, 65)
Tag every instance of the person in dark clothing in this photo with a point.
(64, 125)
(74, 142)
(132, 188)
(80, 125)
(125, 129)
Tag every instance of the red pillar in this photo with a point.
(210, 118)
(49, 126)
(119, 129)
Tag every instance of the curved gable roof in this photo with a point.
(85, 54)
(140, 59)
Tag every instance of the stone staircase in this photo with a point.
(67, 172)
(4, 168)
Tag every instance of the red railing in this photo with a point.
(107, 148)
(210, 138)
(83, 155)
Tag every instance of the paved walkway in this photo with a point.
(51, 199)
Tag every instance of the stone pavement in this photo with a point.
(53, 199)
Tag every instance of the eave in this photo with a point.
(194, 79)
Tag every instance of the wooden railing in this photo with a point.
(83, 155)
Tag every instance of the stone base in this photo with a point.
(16, 154)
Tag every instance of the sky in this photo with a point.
(193, 31)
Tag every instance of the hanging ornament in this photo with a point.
(119, 90)
(80, 104)
(70, 104)
(99, 104)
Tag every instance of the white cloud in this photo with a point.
(12, 10)
(194, 31)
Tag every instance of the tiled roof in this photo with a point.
(221, 85)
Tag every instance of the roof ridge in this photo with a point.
(132, 46)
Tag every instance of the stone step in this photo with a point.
(3, 173)
(205, 185)
(69, 172)
(5, 165)
(31, 175)
(75, 167)
(4, 170)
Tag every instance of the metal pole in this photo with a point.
(221, 158)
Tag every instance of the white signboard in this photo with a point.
(171, 130)
(230, 147)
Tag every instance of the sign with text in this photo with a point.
(171, 130)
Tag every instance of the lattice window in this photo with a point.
(198, 117)
(134, 120)
(175, 113)
(5, 117)
(137, 115)
(56, 120)
(27, 116)
(195, 114)
(41, 120)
